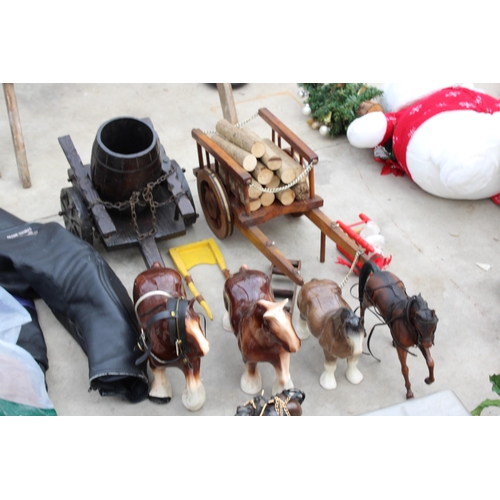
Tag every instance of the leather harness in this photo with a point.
(175, 314)
(404, 316)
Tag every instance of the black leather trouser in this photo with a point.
(46, 261)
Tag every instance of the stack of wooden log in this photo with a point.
(270, 166)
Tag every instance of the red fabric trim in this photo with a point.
(496, 199)
(407, 120)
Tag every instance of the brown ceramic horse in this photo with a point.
(262, 327)
(339, 331)
(410, 320)
(171, 334)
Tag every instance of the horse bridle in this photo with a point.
(405, 316)
(175, 314)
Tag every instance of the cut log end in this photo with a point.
(258, 149)
(286, 197)
(255, 204)
(242, 157)
(262, 173)
(267, 199)
(274, 163)
(249, 163)
(301, 191)
(241, 137)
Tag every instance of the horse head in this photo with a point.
(424, 320)
(168, 320)
(349, 322)
(342, 333)
(277, 322)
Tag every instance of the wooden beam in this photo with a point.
(227, 102)
(17, 134)
(328, 228)
(150, 252)
(101, 215)
(269, 250)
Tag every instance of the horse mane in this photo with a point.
(368, 268)
(426, 315)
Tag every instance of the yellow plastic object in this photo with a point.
(201, 252)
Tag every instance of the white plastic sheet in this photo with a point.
(21, 379)
(12, 317)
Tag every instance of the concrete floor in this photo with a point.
(435, 244)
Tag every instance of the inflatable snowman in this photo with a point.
(447, 142)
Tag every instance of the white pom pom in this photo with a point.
(367, 131)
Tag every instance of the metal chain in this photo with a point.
(239, 124)
(287, 186)
(147, 195)
(354, 262)
(280, 406)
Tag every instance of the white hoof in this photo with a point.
(226, 323)
(327, 379)
(193, 400)
(353, 374)
(277, 387)
(251, 384)
(160, 387)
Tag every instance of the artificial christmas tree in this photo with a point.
(333, 106)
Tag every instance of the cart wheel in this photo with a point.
(75, 215)
(215, 204)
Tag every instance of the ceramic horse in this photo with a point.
(325, 314)
(262, 327)
(171, 334)
(410, 320)
(285, 404)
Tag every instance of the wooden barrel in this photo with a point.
(125, 157)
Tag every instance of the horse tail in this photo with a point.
(368, 268)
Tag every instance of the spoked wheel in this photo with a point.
(75, 214)
(215, 204)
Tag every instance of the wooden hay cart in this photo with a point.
(223, 188)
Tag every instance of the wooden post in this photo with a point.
(17, 134)
(227, 102)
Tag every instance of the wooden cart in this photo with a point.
(90, 218)
(223, 190)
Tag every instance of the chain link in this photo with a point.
(280, 406)
(135, 199)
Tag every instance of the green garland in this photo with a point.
(336, 104)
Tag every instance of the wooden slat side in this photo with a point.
(101, 216)
(283, 131)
